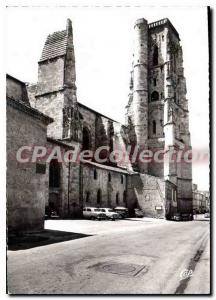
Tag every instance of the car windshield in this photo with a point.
(110, 210)
(96, 209)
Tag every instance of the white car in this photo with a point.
(93, 213)
(110, 213)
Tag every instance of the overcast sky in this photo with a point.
(103, 39)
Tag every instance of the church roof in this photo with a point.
(106, 167)
(55, 45)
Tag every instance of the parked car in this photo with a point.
(122, 211)
(207, 215)
(50, 213)
(138, 213)
(93, 213)
(182, 217)
(110, 213)
(176, 217)
(186, 216)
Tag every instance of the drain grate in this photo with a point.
(124, 269)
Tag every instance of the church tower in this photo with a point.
(157, 112)
(56, 88)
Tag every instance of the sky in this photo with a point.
(103, 42)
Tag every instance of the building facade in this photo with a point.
(201, 200)
(156, 120)
(27, 182)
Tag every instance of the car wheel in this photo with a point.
(92, 218)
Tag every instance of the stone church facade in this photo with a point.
(156, 119)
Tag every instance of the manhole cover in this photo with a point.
(122, 268)
(119, 268)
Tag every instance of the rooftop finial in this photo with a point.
(69, 27)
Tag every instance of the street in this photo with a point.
(134, 256)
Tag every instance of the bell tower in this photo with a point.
(56, 87)
(157, 112)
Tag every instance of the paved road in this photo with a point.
(142, 256)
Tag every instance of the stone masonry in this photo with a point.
(157, 118)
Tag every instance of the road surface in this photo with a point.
(137, 256)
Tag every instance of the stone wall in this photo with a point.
(66, 198)
(104, 132)
(50, 94)
(50, 75)
(16, 89)
(89, 118)
(27, 187)
(108, 180)
(52, 105)
(148, 193)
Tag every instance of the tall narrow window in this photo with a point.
(87, 197)
(86, 139)
(154, 127)
(122, 179)
(99, 196)
(54, 174)
(95, 174)
(155, 82)
(155, 56)
(117, 198)
(109, 177)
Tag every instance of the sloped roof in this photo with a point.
(55, 45)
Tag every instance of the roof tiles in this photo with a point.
(55, 45)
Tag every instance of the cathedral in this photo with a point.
(156, 124)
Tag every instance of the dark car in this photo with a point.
(182, 217)
(122, 211)
(176, 217)
(186, 216)
(138, 213)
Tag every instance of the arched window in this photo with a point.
(154, 96)
(109, 177)
(117, 198)
(54, 174)
(95, 174)
(155, 56)
(99, 196)
(87, 196)
(86, 139)
(154, 127)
